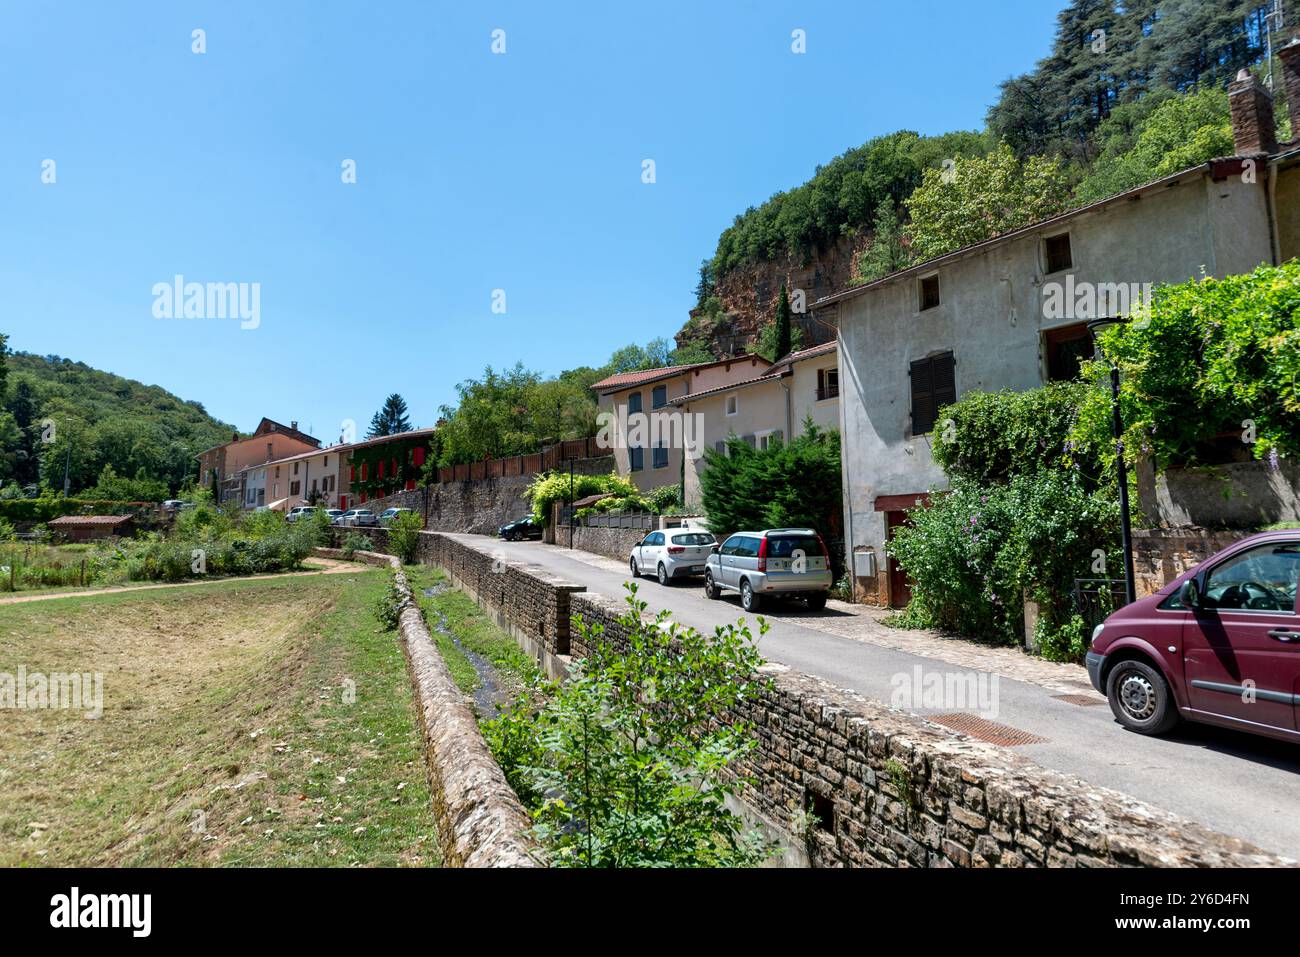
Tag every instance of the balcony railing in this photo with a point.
(828, 392)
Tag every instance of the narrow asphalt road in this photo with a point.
(1238, 784)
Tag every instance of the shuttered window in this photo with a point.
(934, 385)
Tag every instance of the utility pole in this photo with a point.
(572, 517)
(67, 469)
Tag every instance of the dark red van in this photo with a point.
(1220, 645)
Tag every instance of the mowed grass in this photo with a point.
(229, 736)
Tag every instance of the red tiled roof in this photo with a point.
(90, 520)
(625, 380)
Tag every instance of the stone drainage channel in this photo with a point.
(489, 697)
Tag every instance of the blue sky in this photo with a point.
(475, 172)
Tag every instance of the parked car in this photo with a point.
(671, 554)
(358, 516)
(526, 527)
(176, 504)
(780, 562)
(298, 511)
(1218, 645)
(387, 515)
(334, 514)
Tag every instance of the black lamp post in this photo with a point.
(1117, 425)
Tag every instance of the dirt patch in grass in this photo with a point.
(251, 723)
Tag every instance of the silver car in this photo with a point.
(355, 517)
(780, 562)
(673, 553)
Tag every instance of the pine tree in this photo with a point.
(887, 253)
(391, 419)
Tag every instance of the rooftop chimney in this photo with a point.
(1290, 57)
(1252, 116)
(294, 425)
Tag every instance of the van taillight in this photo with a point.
(762, 555)
(825, 551)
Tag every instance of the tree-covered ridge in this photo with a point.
(57, 413)
(1087, 105)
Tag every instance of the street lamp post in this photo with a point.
(1117, 428)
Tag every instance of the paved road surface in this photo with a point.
(1232, 782)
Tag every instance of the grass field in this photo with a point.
(229, 735)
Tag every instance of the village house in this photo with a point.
(640, 425)
(317, 477)
(772, 406)
(1011, 313)
(383, 466)
(223, 467)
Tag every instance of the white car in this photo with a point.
(335, 514)
(672, 553)
(298, 511)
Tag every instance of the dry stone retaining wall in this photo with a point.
(859, 784)
(481, 822)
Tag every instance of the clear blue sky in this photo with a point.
(475, 172)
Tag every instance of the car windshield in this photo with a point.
(694, 538)
(787, 547)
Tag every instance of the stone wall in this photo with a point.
(1162, 554)
(479, 507)
(481, 822)
(615, 543)
(879, 787)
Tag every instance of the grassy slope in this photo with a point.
(225, 737)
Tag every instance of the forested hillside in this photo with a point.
(1128, 93)
(139, 439)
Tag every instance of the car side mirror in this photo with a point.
(1189, 595)
(717, 549)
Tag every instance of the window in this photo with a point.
(1261, 579)
(765, 440)
(1065, 349)
(733, 404)
(295, 488)
(327, 462)
(634, 402)
(1056, 253)
(636, 458)
(659, 397)
(661, 456)
(828, 384)
(929, 292)
(730, 545)
(694, 538)
(720, 446)
(933, 386)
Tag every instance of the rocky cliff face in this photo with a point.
(749, 296)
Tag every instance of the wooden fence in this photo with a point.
(552, 457)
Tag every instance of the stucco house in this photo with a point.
(298, 479)
(1011, 313)
(774, 405)
(223, 467)
(647, 434)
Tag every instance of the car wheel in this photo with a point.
(1140, 698)
(710, 590)
(663, 574)
(748, 600)
(816, 602)
(636, 573)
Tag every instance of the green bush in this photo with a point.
(353, 543)
(1214, 356)
(628, 763)
(976, 552)
(987, 437)
(795, 484)
(551, 487)
(404, 536)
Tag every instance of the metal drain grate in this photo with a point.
(985, 730)
(1082, 700)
